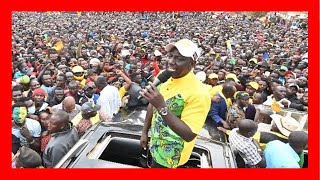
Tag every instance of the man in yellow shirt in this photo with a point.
(177, 109)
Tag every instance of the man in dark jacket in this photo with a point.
(292, 97)
(63, 137)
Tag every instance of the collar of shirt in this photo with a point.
(242, 137)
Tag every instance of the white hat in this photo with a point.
(186, 48)
(125, 53)
(201, 76)
(157, 53)
(286, 124)
(94, 61)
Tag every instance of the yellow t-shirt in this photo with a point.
(188, 99)
(122, 92)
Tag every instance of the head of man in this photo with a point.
(89, 110)
(46, 80)
(262, 86)
(44, 117)
(61, 80)
(38, 96)
(274, 75)
(182, 57)
(19, 113)
(28, 158)
(228, 90)
(100, 82)
(242, 99)
(221, 75)
(213, 79)
(264, 116)
(88, 91)
(259, 98)
(247, 127)
(302, 65)
(69, 76)
(73, 87)
(302, 82)
(274, 83)
(252, 87)
(84, 64)
(22, 67)
(58, 122)
(292, 89)
(298, 140)
(59, 94)
(68, 104)
(136, 77)
(16, 93)
(34, 84)
(279, 92)
(78, 73)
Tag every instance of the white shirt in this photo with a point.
(33, 127)
(269, 101)
(109, 100)
(263, 127)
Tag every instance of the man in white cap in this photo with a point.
(179, 108)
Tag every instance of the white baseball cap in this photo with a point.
(157, 53)
(186, 48)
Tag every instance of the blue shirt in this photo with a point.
(18, 74)
(281, 155)
(218, 110)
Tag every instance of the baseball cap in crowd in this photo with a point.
(286, 124)
(86, 87)
(186, 48)
(94, 61)
(290, 72)
(201, 76)
(90, 107)
(39, 91)
(254, 85)
(242, 95)
(23, 80)
(90, 72)
(293, 85)
(232, 76)
(283, 68)
(29, 158)
(157, 53)
(125, 53)
(213, 76)
(253, 60)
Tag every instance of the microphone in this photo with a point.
(162, 77)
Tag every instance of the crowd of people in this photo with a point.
(73, 70)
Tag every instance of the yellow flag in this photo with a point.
(58, 46)
(275, 106)
(228, 42)
(78, 52)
